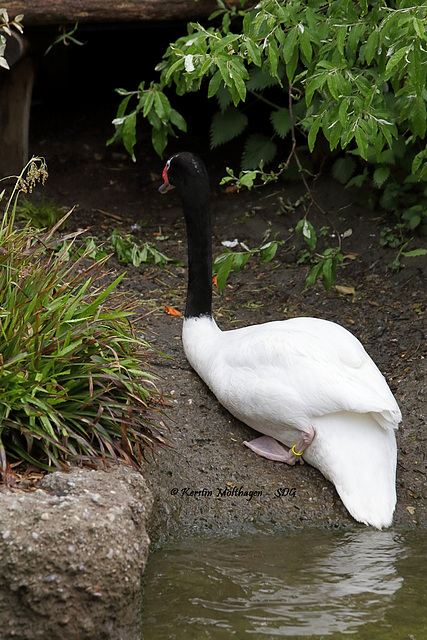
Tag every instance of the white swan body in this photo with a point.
(285, 377)
(300, 377)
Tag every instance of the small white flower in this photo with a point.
(230, 244)
(189, 64)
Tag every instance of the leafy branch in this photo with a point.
(352, 74)
(236, 260)
(6, 27)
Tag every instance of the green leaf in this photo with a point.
(415, 69)
(162, 106)
(419, 28)
(178, 64)
(305, 43)
(332, 85)
(247, 23)
(268, 251)
(381, 175)
(258, 149)
(254, 53)
(129, 134)
(222, 269)
(159, 139)
(227, 125)
(147, 102)
(395, 59)
(418, 116)
(309, 233)
(122, 107)
(419, 160)
(223, 44)
(247, 179)
(342, 112)
(313, 275)
(281, 121)
(290, 44)
(371, 46)
(327, 273)
(224, 71)
(258, 80)
(273, 55)
(224, 96)
(341, 36)
(355, 37)
(214, 84)
(415, 253)
(291, 66)
(314, 84)
(362, 143)
(312, 134)
(414, 221)
(240, 258)
(343, 169)
(333, 134)
(358, 180)
(237, 74)
(177, 120)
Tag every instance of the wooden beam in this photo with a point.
(15, 101)
(46, 12)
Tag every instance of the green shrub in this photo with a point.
(350, 73)
(236, 260)
(44, 214)
(75, 382)
(130, 252)
(355, 71)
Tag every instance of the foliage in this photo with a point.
(5, 27)
(66, 38)
(43, 215)
(353, 70)
(73, 385)
(351, 73)
(129, 251)
(325, 264)
(236, 260)
(154, 105)
(88, 246)
(396, 238)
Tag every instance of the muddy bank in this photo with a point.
(209, 482)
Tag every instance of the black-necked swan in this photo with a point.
(305, 383)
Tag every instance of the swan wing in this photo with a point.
(293, 371)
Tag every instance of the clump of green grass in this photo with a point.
(75, 383)
(130, 252)
(42, 215)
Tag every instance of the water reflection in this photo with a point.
(300, 585)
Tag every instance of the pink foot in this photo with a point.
(269, 448)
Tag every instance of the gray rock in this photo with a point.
(72, 555)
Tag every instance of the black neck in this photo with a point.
(196, 206)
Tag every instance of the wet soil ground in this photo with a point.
(196, 480)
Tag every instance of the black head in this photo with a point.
(186, 172)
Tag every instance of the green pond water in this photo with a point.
(309, 584)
